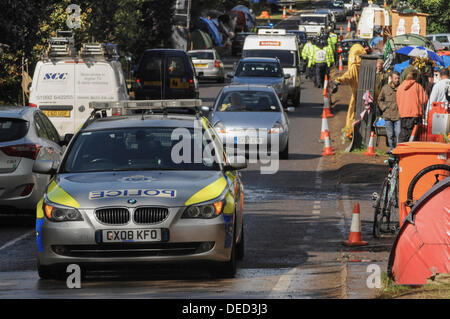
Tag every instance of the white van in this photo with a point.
(275, 43)
(64, 83)
(372, 17)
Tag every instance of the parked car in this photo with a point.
(238, 43)
(64, 82)
(165, 74)
(331, 16)
(338, 9)
(343, 47)
(266, 71)
(250, 115)
(442, 38)
(348, 5)
(26, 135)
(357, 5)
(208, 65)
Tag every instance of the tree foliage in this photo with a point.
(26, 26)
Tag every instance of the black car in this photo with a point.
(165, 74)
(238, 43)
(344, 46)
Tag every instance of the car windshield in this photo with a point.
(138, 149)
(248, 101)
(12, 129)
(312, 20)
(202, 55)
(259, 69)
(287, 58)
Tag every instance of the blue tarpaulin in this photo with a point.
(213, 31)
(401, 66)
(446, 59)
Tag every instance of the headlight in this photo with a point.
(57, 213)
(204, 211)
(220, 127)
(276, 129)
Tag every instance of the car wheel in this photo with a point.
(240, 246)
(227, 269)
(285, 153)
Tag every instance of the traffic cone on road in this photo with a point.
(290, 8)
(324, 125)
(341, 64)
(326, 100)
(284, 12)
(348, 26)
(370, 149)
(355, 237)
(327, 150)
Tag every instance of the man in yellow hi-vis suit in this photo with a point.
(350, 77)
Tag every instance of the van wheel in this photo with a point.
(296, 101)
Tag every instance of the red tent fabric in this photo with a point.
(422, 247)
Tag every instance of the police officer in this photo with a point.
(306, 52)
(311, 59)
(332, 40)
(323, 59)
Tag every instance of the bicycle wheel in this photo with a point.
(410, 201)
(390, 222)
(379, 207)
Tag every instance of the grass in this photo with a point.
(439, 288)
(362, 150)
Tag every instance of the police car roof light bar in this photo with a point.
(271, 32)
(147, 104)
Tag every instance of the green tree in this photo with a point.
(438, 20)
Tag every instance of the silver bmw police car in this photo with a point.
(145, 188)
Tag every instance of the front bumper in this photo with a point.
(184, 240)
(253, 143)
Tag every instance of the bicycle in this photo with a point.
(410, 200)
(385, 217)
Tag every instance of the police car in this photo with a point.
(148, 186)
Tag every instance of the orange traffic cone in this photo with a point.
(327, 150)
(324, 125)
(290, 8)
(341, 64)
(325, 85)
(326, 100)
(348, 26)
(370, 149)
(413, 133)
(355, 237)
(284, 12)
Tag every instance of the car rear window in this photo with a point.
(12, 129)
(202, 55)
(258, 69)
(287, 58)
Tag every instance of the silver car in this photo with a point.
(251, 115)
(266, 71)
(208, 65)
(26, 135)
(127, 192)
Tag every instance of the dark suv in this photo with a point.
(165, 74)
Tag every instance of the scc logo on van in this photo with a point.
(55, 76)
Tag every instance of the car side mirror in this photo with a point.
(66, 140)
(205, 109)
(290, 109)
(44, 167)
(287, 76)
(230, 75)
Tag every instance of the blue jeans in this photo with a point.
(391, 127)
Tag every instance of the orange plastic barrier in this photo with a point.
(415, 156)
(439, 108)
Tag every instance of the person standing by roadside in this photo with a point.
(441, 90)
(381, 78)
(387, 102)
(411, 97)
(306, 52)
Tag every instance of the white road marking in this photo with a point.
(284, 282)
(12, 242)
(316, 211)
(316, 206)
